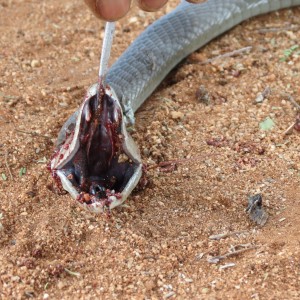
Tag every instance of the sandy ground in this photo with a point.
(159, 244)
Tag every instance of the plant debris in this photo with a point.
(255, 210)
(263, 95)
(76, 274)
(22, 171)
(226, 266)
(225, 235)
(235, 250)
(202, 95)
(297, 123)
(287, 53)
(267, 124)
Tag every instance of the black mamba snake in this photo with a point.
(97, 161)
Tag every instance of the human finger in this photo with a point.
(109, 10)
(151, 5)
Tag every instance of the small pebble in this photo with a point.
(35, 63)
(175, 115)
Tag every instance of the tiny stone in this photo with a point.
(130, 263)
(202, 95)
(91, 227)
(61, 285)
(177, 115)
(35, 63)
(15, 278)
(149, 285)
(133, 20)
(260, 98)
(123, 158)
(169, 295)
(239, 67)
(86, 197)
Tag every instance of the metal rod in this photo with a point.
(106, 47)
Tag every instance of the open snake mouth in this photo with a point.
(93, 157)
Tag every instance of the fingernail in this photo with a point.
(112, 10)
(151, 5)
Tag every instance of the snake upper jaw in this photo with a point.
(96, 160)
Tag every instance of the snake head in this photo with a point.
(96, 159)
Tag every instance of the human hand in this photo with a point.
(112, 10)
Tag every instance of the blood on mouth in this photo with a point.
(99, 169)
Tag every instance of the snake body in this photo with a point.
(132, 78)
(147, 61)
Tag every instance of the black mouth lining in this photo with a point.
(100, 165)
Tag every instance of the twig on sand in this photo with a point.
(7, 166)
(228, 54)
(72, 273)
(225, 235)
(33, 133)
(276, 29)
(170, 165)
(226, 266)
(293, 101)
(289, 129)
(234, 252)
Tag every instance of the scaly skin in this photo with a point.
(149, 59)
